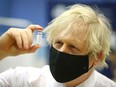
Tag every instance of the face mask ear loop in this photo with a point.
(90, 67)
(92, 64)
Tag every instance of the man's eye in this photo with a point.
(58, 43)
(72, 46)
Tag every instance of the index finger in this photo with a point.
(34, 27)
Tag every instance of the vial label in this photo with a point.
(39, 37)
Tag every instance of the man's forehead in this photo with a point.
(68, 39)
(74, 35)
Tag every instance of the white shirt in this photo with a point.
(41, 77)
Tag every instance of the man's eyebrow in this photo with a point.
(57, 39)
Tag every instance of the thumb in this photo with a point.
(33, 48)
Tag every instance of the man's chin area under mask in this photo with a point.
(78, 80)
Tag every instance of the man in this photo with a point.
(79, 42)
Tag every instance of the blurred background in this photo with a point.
(21, 13)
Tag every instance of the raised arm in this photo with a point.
(17, 41)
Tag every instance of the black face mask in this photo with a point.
(66, 67)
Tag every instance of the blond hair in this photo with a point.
(77, 16)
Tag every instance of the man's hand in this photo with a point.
(17, 41)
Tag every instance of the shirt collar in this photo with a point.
(90, 82)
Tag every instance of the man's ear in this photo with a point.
(99, 57)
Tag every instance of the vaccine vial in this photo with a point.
(39, 37)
